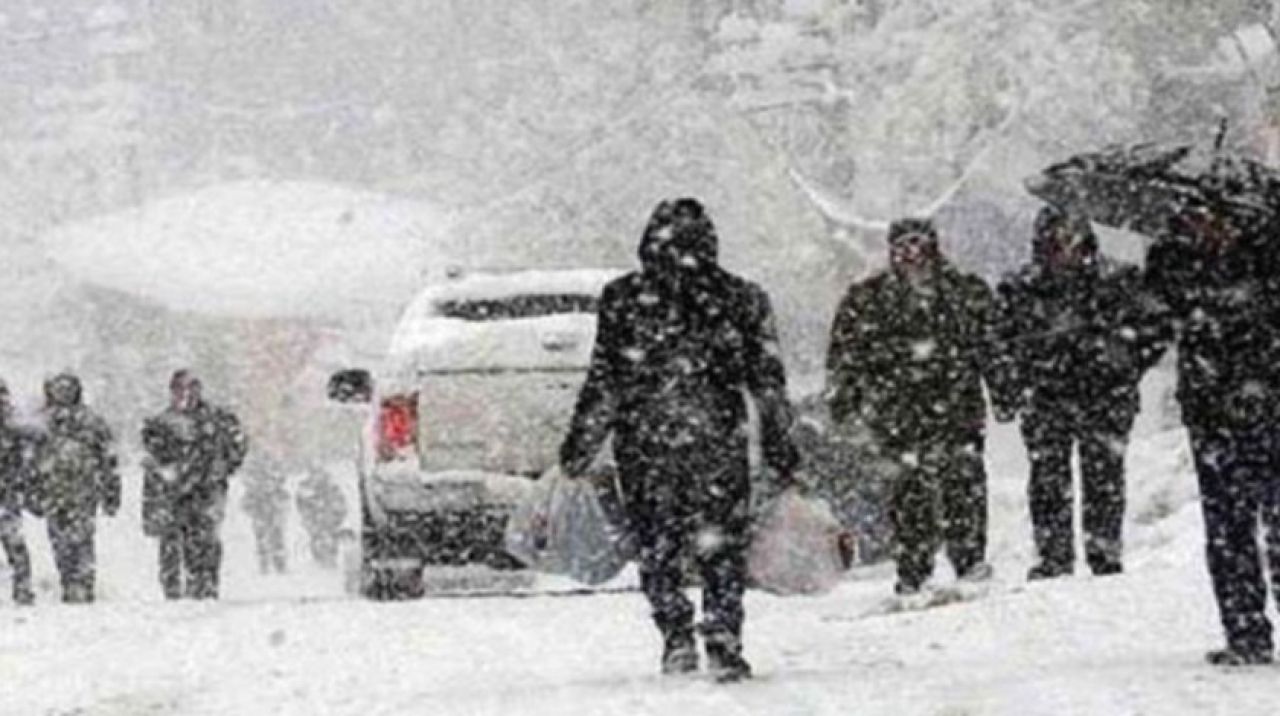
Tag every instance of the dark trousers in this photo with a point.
(72, 540)
(15, 549)
(1240, 485)
(191, 552)
(1051, 433)
(691, 506)
(938, 497)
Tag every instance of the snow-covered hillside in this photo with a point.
(296, 645)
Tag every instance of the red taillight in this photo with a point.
(398, 427)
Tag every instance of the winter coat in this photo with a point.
(14, 469)
(1225, 311)
(1080, 338)
(678, 345)
(191, 454)
(75, 463)
(910, 360)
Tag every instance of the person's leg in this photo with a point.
(15, 548)
(72, 540)
(914, 512)
(1226, 466)
(963, 479)
(1047, 437)
(169, 554)
(1103, 497)
(203, 556)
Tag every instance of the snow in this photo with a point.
(260, 249)
(296, 645)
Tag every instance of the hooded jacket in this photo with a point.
(678, 343)
(1079, 336)
(910, 360)
(75, 460)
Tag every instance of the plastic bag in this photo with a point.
(563, 528)
(798, 547)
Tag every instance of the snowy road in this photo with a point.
(294, 645)
(1130, 645)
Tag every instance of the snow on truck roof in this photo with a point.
(422, 324)
(492, 285)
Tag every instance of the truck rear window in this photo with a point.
(522, 306)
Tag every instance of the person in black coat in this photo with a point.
(678, 344)
(910, 349)
(76, 477)
(1220, 279)
(193, 449)
(1079, 332)
(14, 488)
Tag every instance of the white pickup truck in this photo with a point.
(471, 402)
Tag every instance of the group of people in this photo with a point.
(319, 501)
(1061, 346)
(64, 468)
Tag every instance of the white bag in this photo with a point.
(562, 528)
(798, 547)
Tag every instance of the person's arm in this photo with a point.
(767, 382)
(1000, 350)
(108, 478)
(844, 365)
(594, 410)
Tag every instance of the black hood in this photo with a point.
(678, 240)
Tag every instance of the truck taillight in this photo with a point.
(398, 427)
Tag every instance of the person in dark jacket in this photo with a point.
(1080, 331)
(193, 449)
(14, 488)
(909, 350)
(1221, 282)
(76, 474)
(678, 342)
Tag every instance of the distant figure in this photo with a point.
(193, 449)
(1080, 332)
(14, 489)
(76, 476)
(323, 509)
(266, 501)
(910, 348)
(680, 346)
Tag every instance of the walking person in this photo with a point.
(194, 447)
(1218, 276)
(910, 348)
(323, 510)
(76, 477)
(265, 501)
(678, 344)
(14, 497)
(1080, 331)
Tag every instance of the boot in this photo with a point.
(980, 572)
(724, 657)
(1232, 656)
(1048, 570)
(679, 653)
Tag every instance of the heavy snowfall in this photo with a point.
(268, 192)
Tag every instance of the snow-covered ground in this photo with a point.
(297, 645)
